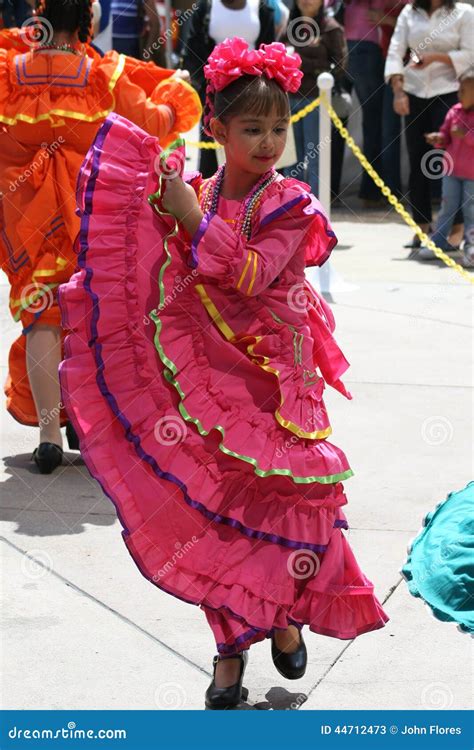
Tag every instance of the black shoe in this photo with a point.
(72, 439)
(228, 697)
(47, 456)
(293, 665)
(415, 243)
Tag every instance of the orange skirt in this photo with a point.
(33, 301)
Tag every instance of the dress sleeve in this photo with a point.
(250, 266)
(151, 99)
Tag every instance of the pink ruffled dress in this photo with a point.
(194, 375)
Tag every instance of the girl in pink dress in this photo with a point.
(195, 368)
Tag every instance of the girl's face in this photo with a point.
(309, 8)
(253, 144)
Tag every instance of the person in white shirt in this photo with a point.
(431, 47)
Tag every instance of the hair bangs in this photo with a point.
(252, 95)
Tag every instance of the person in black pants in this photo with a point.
(197, 48)
(425, 116)
(423, 69)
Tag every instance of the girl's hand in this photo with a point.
(401, 103)
(181, 75)
(434, 139)
(181, 200)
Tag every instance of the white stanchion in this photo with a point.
(325, 84)
(326, 279)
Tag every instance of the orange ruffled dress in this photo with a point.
(194, 378)
(51, 105)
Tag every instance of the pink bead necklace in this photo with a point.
(248, 206)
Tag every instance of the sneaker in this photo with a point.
(424, 253)
(468, 257)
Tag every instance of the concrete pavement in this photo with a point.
(83, 630)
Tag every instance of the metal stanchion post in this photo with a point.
(325, 277)
(325, 84)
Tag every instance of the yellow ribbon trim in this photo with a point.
(254, 271)
(46, 271)
(71, 114)
(242, 277)
(230, 336)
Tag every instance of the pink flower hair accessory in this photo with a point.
(281, 65)
(232, 59)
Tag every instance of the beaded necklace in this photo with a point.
(248, 206)
(61, 47)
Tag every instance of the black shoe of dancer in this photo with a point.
(227, 697)
(47, 456)
(290, 665)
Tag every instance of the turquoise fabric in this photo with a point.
(440, 564)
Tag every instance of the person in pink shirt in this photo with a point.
(456, 136)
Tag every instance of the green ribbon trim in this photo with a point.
(170, 371)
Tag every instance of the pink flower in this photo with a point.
(232, 59)
(282, 66)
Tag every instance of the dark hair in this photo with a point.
(296, 13)
(257, 95)
(426, 4)
(67, 15)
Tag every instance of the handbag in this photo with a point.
(341, 99)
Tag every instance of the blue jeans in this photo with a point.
(366, 75)
(455, 193)
(306, 133)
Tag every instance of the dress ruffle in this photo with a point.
(440, 564)
(184, 100)
(200, 522)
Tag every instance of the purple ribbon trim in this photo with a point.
(224, 648)
(39, 80)
(198, 237)
(193, 262)
(282, 209)
(294, 202)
